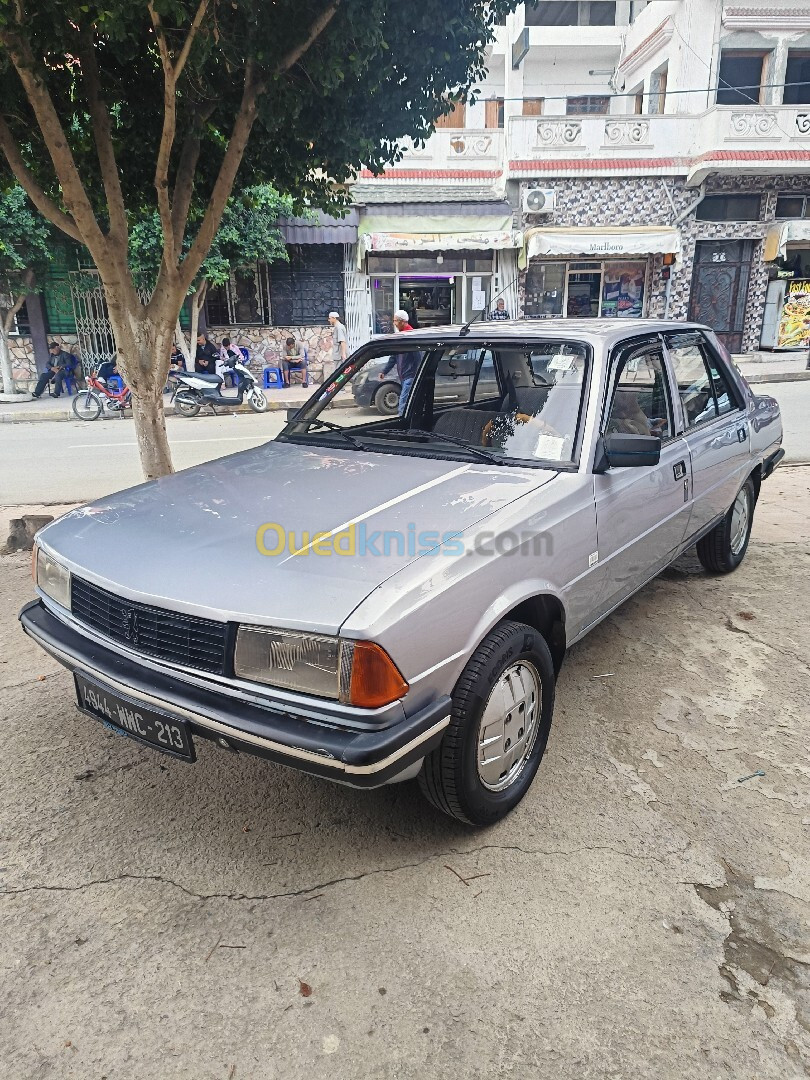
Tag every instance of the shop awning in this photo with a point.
(787, 232)
(615, 240)
(320, 228)
(437, 232)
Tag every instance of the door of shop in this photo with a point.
(720, 286)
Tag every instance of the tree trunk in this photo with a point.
(143, 346)
(5, 360)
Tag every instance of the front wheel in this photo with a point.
(386, 399)
(87, 405)
(723, 549)
(256, 399)
(186, 403)
(498, 730)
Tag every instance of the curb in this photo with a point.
(778, 376)
(45, 415)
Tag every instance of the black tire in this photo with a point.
(87, 405)
(450, 776)
(386, 399)
(723, 549)
(186, 403)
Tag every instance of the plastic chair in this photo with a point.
(271, 378)
(70, 380)
(115, 383)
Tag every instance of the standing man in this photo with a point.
(205, 359)
(407, 363)
(340, 343)
(499, 311)
(58, 364)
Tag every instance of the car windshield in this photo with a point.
(517, 402)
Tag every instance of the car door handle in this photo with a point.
(741, 434)
(679, 470)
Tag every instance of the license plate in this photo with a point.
(127, 717)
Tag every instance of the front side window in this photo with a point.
(703, 387)
(640, 403)
(485, 401)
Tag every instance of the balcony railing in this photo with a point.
(457, 148)
(666, 138)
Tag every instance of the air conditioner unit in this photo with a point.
(539, 201)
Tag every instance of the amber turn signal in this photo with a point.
(375, 678)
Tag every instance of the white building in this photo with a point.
(667, 145)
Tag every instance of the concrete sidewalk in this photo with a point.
(756, 367)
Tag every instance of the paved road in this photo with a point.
(71, 461)
(642, 914)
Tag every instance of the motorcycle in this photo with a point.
(194, 389)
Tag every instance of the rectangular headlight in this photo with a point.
(53, 579)
(309, 663)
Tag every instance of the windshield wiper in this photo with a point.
(332, 427)
(420, 433)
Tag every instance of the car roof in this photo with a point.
(605, 331)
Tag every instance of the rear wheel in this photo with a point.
(256, 399)
(87, 405)
(386, 399)
(498, 730)
(723, 549)
(186, 403)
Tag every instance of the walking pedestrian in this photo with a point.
(340, 342)
(406, 363)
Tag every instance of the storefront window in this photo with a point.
(623, 290)
(545, 290)
(450, 264)
(382, 264)
(585, 290)
(383, 303)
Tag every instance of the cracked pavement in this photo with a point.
(643, 913)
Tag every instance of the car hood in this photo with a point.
(189, 541)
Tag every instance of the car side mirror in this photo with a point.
(620, 451)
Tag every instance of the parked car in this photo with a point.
(401, 591)
(373, 389)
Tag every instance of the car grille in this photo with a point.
(166, 635)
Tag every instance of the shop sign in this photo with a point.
(794, 323)
(471, 241)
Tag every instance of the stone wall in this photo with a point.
(23, 364)
(266, 344)
(594, 201)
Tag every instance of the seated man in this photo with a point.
(60, 364)
(293, 359)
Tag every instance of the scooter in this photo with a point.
(194, 389)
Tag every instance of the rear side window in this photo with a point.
(703, 386)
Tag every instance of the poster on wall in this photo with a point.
(623, 290)
(794, 322)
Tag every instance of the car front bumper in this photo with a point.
(360, 758)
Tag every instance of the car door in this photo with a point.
(641, 512)
(715, 426)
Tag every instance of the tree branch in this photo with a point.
(184, 178)
(317, 28)
(166, 143)
(102, 134)
(46, 206)
(39, 98)
(28, 280)
(186, 49)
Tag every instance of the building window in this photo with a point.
(797, 78)
(729, 208)
(636, 97)
(792, 206)
(456, 118)
(21, 323)
(553, 13)
(582, 106)
(740, 79)
(658, 92)
(571, 13)
(300, 292)
(493, 113)
(304, 290)
(533, 106)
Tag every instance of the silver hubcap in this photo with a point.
(739, 522)
(509, 725)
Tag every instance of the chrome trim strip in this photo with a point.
(235, 733)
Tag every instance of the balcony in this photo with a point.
(458, 149)
(724, 138)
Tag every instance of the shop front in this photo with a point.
(580, 273)
(786, 321)
(440, 268)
